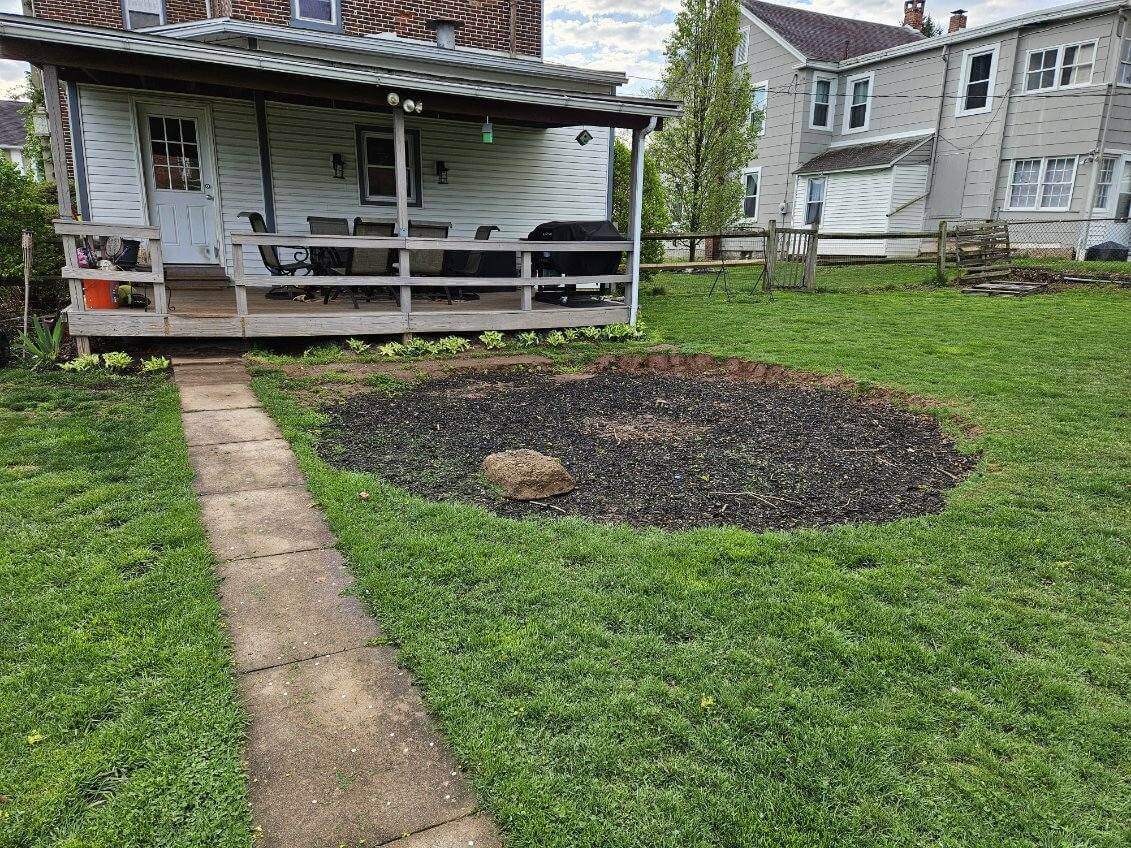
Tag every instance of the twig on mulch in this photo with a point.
(549, 506)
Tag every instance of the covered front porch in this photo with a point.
(179, 145)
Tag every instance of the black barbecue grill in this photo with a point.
(574, 264)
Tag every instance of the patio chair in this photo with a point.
(467, 263)
(372, 261)
(328, 261)
(269, 254)
(429, 263)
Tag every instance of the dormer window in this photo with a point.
(316, 14)
(139, 14)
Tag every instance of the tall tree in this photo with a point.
(654, 215)
(700, 155)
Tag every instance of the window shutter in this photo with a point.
(743, 50)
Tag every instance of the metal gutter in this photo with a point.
(133, 43)
(400, 48)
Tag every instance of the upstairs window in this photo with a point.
(1123, 77)
(140, 14)
(1105, 179)
(976, 91)
(1067, 66)
(824, 92)
(317, 13)
(758, 107)
(814, 200)
(857, 116)
(742, 51)
(750, 199)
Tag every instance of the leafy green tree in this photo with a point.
(654, 215)
(700, 156)
(27, 204)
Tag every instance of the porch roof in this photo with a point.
(866, 156)
(79, 49)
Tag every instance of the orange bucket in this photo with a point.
(99, 294)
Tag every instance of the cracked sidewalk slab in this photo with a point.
(244, 466)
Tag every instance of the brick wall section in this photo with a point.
(108, 13)
(486, 23)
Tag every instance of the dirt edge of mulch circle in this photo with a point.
(746, 444)
(661, 359)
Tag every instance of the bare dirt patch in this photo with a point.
(672, 444)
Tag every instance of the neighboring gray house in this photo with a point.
(13, 133)
(872, 127)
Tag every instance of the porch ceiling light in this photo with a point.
(488, 132)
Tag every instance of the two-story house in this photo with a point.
(393, 120)
(872, 127)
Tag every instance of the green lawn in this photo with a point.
(119, 720)
(959, 679)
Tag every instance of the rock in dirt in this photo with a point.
(526, 475)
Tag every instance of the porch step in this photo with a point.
(197, 276)
(1005, 289)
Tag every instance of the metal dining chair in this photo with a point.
(327, 261)
(429, 263)
(373, 261)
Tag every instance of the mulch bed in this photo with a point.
(665, 449)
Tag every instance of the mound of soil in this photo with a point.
(655, 449)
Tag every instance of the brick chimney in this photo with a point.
(957, 20)
(913, 14)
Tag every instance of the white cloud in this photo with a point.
(11, 73)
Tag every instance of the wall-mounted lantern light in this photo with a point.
(338, 162)
(584, 137)
(441, 173)
(488, 132)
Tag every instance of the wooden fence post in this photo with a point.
(770, 252)
(811, 259)
(941, 261)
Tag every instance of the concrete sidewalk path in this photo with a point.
(340, 748)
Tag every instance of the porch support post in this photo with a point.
(637, 208)
(58, 145)
(401, 166)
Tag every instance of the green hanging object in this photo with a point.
(488, 133)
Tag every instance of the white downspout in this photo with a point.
(638, 137)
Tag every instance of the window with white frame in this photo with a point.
(1067, 66)
(824, 95)
(814, 200)
(1123, 201)
(1044, 184)
(758, 106)
(377, 174)
(976, 89)
(324, 12)
(1105, 179)
(743, 48)
(140, 14)
(859, 103)
(750, 182)
(1123, 77)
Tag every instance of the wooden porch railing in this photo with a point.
(74, 232)
(526, 283)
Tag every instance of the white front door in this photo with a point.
(180, 179)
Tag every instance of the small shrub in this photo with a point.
(116, 360)
(155, 364)
(420, 347)
(527, 339)
(453, 345)
(391, 350)
(358, 346)
(324, 353)
(493, 340)
(621, 332)
(41, 345)
(591, 333)
(556, 338)
(572, 334)
(82, 363)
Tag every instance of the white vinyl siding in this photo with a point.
(1042, 184)
(908, 187)
(113, 170)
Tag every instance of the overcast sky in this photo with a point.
(617, 35)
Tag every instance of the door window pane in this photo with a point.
(175, 154)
